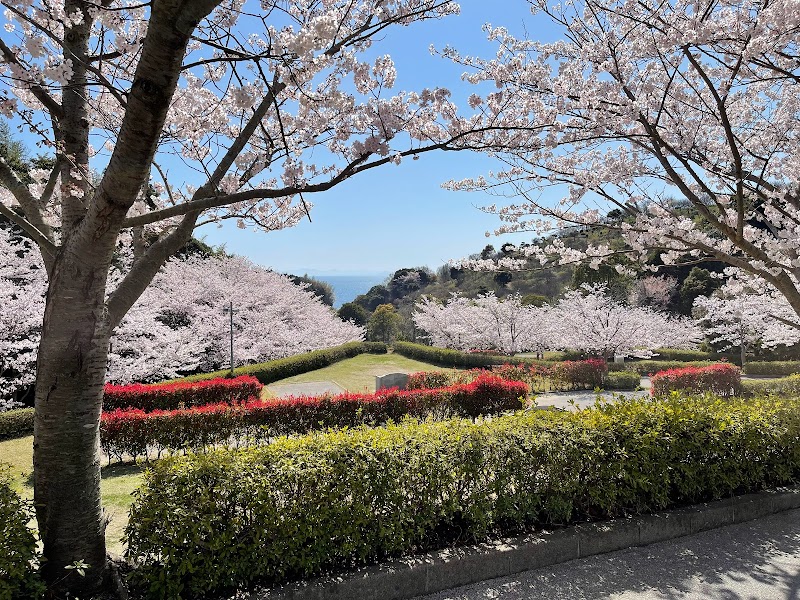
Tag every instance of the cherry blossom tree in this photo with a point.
(653, 291)
(23, 284)
(682, 116)
(178, 324)
(485, 322)
(163, 116)
(589, 320)
(746, 313)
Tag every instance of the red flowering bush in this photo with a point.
(136, 432)
(722, 379)
(149, 397)
(579, 374)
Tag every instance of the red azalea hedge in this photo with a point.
(135, 432)
(149, 397)
(579, 373)
(722, 379)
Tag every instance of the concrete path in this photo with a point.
(757, 560)
(312, 388)
(585, 399)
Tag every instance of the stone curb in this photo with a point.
(406, 578)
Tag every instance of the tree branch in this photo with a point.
(145, 268)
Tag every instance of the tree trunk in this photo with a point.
(71, 371)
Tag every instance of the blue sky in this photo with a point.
(398, 216)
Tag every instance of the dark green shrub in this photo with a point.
(16, 423)
(776, 368)
(622, 380)
(281, 368)
(304, 505)
(19, 577)
(446, 357)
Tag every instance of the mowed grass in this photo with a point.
(117, 485)
(357, 374)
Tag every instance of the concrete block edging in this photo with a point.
(406, 578)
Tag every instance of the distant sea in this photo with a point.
(347, 287)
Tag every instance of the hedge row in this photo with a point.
(451, 358)
(135, 432)
(622, 380)
(777, 368)
(19, 576)
(16, 423)
(649, 367)
(723, 379)
(171, 396)
(281, 368)
(780, 386)
(304, 505)
(683, 355)
(565, 375)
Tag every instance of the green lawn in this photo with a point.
(118, 482)
(357, 374)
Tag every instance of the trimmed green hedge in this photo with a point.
(281, 368)
(775, 368)
(683, 355)
(19, 577)
(621, 380)
(446, 357)
(305, 505)
(781, 386)
(16, 423)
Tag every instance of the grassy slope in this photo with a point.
(358, 373)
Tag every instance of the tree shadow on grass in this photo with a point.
(107, 471)
(121, 470)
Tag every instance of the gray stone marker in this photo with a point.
(390, 380)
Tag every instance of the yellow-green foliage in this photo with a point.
(302, 505)
(782, 386)
(18, 556)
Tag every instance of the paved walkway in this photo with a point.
(759, 560)
(584, 399)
